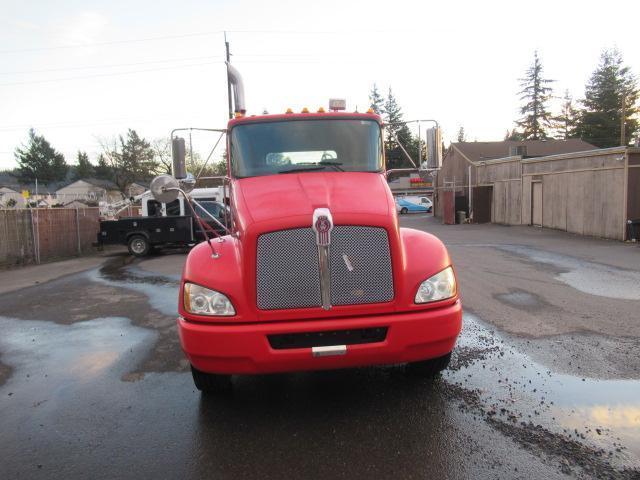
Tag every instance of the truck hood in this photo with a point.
(294, 194)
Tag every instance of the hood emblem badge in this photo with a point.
(322, 224)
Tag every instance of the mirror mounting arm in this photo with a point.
(214, 254)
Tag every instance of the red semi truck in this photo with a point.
(316, 272)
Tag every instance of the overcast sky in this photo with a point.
(79, 71)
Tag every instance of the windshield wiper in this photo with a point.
(309, 168)
(331, 163)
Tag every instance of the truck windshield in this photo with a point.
(306, 145)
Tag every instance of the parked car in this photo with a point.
(414, 205)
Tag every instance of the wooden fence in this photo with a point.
(43, 234)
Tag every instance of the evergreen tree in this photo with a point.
(536, 94)
(376, 101)
(38, 159)
(103, 170)
(565, 124)
(461, 135)
(513, 135)
(611, 90)
(84, 168)
(396, 130)
(130, 159)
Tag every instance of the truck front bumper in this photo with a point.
(245, 349)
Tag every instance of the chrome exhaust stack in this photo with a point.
(235, 79)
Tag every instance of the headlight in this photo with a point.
(439, 287)
(202, 301)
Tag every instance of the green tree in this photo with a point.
(376, 101)
(513, 135)
(536, 94)
(38, 159)
(397, 131)
(611, 90)
(103, 170)
(461, 135)
(84, 168)
(130, 159)
(565, 124)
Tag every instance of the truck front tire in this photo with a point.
(138, 246)
(210, 382)
(429, 368)
(404, 210)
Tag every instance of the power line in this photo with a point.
(244, 58)
(87, 67)
(63, 125)
(113, 42)
(111, 74)
(199, 34)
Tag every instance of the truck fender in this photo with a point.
(424, 256)
(223, 274)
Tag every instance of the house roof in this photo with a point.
(96, 182)
(79, 200)
(479, 151)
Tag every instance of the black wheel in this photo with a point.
(430, 368)
(138, 246)
(210, 382)
(404, 210)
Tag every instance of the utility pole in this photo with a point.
(228, 56)
(622, 121)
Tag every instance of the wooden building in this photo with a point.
(587, 191)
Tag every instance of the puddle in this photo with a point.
(602, 414)
(588, 277)
(162, 291)
(52, 355)
(522, 299)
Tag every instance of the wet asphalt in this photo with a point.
(93, 383)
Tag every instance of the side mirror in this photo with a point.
(178, 153)
(434, 148)
(164, 188)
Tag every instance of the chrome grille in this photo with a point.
(288, 276)
(367, 251)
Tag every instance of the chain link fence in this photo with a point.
(43, 234)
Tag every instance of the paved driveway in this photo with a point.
(544, 382)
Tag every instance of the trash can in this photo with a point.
(633, 230)
(461, 216)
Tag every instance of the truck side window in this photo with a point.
(173, 208)
(154, 208)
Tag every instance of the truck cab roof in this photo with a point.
(320, 115)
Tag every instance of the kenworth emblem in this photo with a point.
(322, 225)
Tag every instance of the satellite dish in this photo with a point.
(164, 188)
